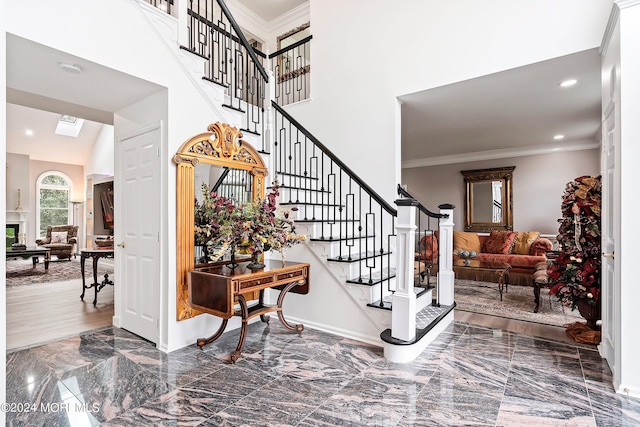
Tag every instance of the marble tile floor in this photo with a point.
(470, 375)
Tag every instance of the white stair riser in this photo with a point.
(297, 181)
(288, 195)
(214, 91)
(374, 291)
(344, 248)
(424, 300)
(326, 230)
(317, 212)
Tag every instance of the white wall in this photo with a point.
(538, 184)
(18, 178)
(395, 48)
(100, 160)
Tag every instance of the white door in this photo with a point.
(137, 214)
(610, 219)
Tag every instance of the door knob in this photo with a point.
(121, 245)
(608, 255)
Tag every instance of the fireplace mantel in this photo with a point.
(18, 217)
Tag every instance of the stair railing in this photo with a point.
(425, 241)
(342, 206)
(164, 5)
(232, 62)
(291, 67)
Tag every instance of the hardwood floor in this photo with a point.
(47, 312)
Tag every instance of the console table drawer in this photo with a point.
(262, 282)
(290, 274)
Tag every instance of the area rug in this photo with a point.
(517, 303)
(22, 274)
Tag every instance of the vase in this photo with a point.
(591, 312)
(255, 263)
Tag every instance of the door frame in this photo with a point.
(161, 211)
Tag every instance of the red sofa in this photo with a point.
(521, 250)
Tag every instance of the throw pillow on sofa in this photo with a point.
(499, 242)
(429, 246)
(466, 241)
(58, 237)
(524, 240)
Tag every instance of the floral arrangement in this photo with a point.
(223, 225)
(575, 272)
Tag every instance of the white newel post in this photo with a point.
(183, 23)
(445, 260)
(403, 311)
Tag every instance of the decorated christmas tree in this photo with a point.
(575, 272)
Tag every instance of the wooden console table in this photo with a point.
(216, 289)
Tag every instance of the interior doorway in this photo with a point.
(96, 94)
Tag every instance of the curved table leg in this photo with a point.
(203, 341)
(536, 297)
(95, 279)
(244, 309)
(82, 260)
(263, 317)
(283, 292)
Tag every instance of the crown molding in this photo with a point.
(248, 19)
(613, 20)
(503, 153)
(254, 23)
(623, 4)
(608, 32)
(301, 12)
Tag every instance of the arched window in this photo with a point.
(53, 195)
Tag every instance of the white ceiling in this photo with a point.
(518, 109)
(271, 9)
(44, 144)
(38, 91)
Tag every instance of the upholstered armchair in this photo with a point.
(60, 239)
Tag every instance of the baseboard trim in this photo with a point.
(373, 340)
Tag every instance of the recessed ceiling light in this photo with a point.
(558, 137)
(28, 132)
(568, 83)
(70, 67)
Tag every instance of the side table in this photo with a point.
(95, 254)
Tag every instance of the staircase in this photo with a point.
(359, 245)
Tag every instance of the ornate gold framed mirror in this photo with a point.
(205, 158)
(488, 199)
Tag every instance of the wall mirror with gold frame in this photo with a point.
(488, 200)
(207, 158)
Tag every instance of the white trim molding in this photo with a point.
(502, 153)
(608, 32)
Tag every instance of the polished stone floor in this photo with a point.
(471, 375)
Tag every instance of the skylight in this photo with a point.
(69, 126)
